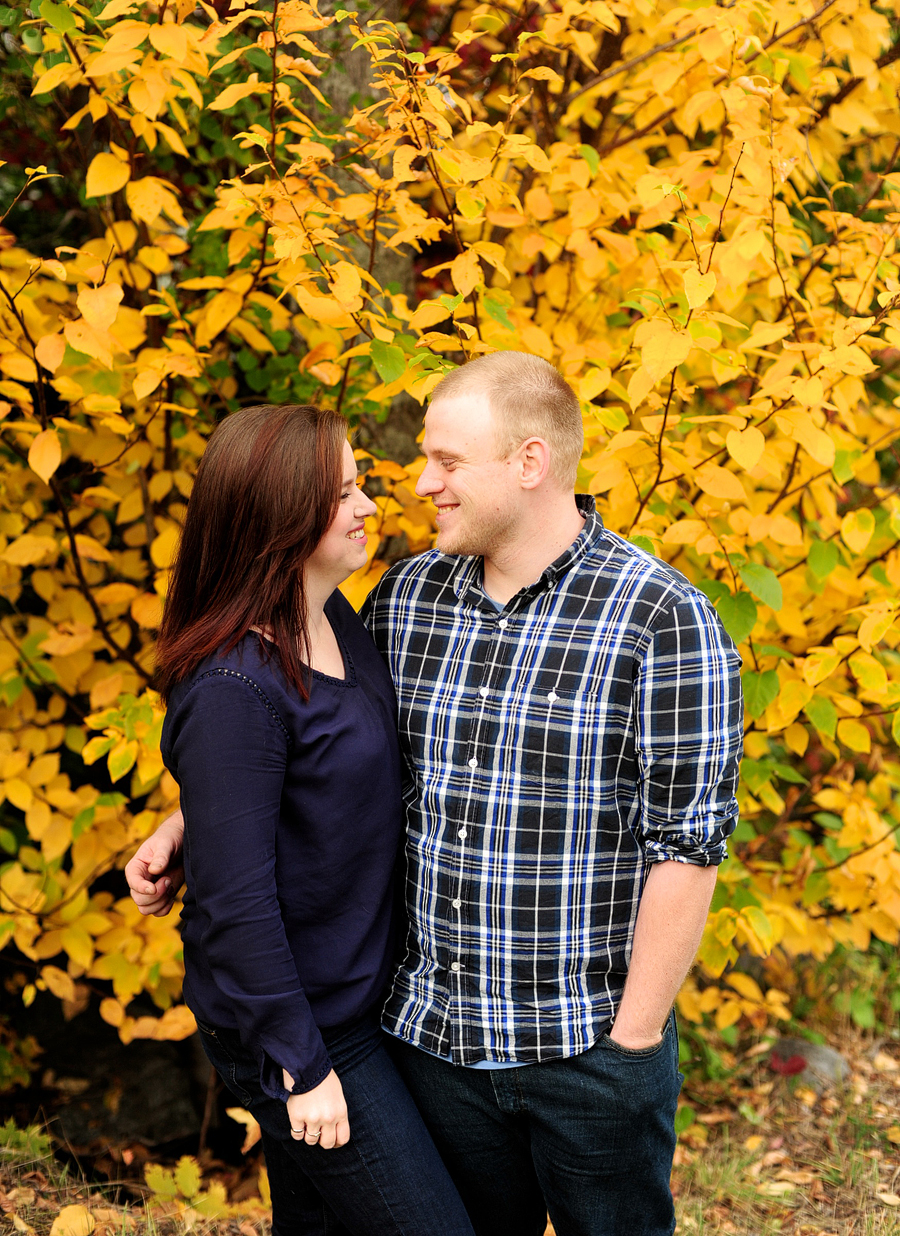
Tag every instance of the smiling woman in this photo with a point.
(280, 732)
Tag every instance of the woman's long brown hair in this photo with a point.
(266, 490)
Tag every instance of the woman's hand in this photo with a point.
(156, 872)
(321, 1111)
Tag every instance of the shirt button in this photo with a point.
(454, 966)
(456, 903)
(463, 832)
(482, 690)
(473, 763)
(503, 623)
(552, 697)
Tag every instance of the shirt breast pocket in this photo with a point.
(559, 734)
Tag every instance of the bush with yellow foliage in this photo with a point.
(691, 209)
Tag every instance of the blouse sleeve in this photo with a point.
(229, 752)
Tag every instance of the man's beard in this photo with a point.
(477, 535)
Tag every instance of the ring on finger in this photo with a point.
(299, 1132)
(314, 1135)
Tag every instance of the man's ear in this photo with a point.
(533, 459)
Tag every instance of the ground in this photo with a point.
(762, 1153)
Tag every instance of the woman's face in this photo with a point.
(342, 550)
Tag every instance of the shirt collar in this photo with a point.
(469, 572)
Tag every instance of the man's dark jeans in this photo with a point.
(590, 1138)
(387, 1181)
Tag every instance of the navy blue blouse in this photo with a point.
(293, 821)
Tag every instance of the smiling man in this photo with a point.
(570, 717)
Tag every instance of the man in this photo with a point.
(570, 713)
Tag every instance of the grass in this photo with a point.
(804, 1164)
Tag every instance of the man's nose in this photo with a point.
(428, 482)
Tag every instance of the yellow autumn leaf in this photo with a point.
(146, 198)
(465, 271)
(857, 528)
(112, 1011)
(685, 532)
(698, 288)
(745, 446)
(89, 547)
(73, 1221)
(720, 483)
(146, 610)
(853, 734)
(253, 1132)
(665, 352)
(29, 550)
(58, 75)
(68, 638)
(162, 550)
(45, 454)
(234, 93)
(49, 351)
(106, 174)
(224, 306)
(346, 283)
(321, 308)
(170, 39)
(99, 306)
(58, 982)
(874, 628)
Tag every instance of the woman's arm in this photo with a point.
(229, 752)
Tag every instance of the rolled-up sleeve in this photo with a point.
(689, 723)
(229, 755)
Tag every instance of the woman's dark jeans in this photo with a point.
(387, 1181)
(589, 1138)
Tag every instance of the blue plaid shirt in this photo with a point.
(555, 749)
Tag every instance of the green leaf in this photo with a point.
(772, 650)
(187, 1176)
(823, 715)
(761, 924)
(715, 589)
(8, 840)
(823, 558)
(122, 760)
(684, 1118)
(862, 1008)
(83, 820)
(389, 361)
(759, 691)
(842, 468)
(755, 773)
(160, 1181)
(816, 888)
(496, 305)
(787, 773)
(642, 542)
(763, 583)
(738, 614)
(58, 16)
(591, 158)
(895, 728)
(451, 302)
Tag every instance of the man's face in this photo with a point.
(474, 492)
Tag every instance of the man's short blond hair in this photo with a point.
(530, 399)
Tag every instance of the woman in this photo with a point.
(280, 732)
